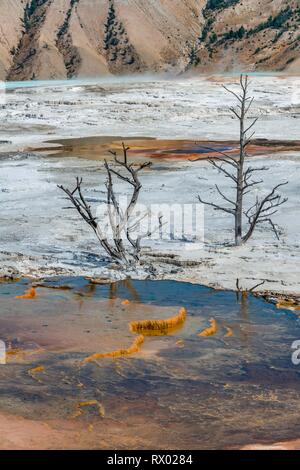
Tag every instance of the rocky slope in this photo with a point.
(66, 38)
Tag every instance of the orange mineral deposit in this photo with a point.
(146, 326)
(29, 294)
(134, 348)
(211, 330)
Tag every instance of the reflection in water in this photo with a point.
(243, 301)
(244, 305)
(113, 290)
(89, 289)
(178, 390)
(128, 285)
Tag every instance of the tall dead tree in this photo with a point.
(124, 247)
(235, 169)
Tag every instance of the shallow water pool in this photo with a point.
(181, 390)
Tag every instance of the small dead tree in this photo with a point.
(123, 248)
(245, 292)
(235, 169)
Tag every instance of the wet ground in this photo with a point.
(180, 390)
(97, 148)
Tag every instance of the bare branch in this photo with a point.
(250, 185)
(239, 98)
(251, 125)
(225, 197)
(249, 105)
(216, 207)
(224, 158)
(262, 210)
(274, 229)
(257, 285)
(235, 112)
(222, 169)
(240, 289)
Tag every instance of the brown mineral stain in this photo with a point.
(36, 370)
(289, 305)
(19, 353)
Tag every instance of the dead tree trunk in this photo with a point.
(234, 168)
(240, 171)
(123, 248)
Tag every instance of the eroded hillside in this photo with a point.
(66, 38)
(259, 35)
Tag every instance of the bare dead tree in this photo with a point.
(243, 178)
(240, 289)
(124, 247)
